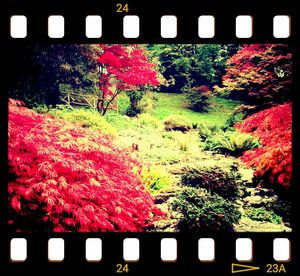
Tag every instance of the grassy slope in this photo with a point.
(171, 103)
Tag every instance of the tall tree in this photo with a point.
(259, 74)
(122, 67)
(189, 65)
(41, 73)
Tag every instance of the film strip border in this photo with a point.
(168, 249)
(168, 26)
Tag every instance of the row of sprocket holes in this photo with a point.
(131, 26)
(168, 249)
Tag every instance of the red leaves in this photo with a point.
(127, 65)
(72, 179)
(260, 73)
(109, 59)
(16, 204)
(273, 127)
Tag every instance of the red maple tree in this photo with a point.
(122, 67)
(65, 178)
(259, 74)
(273, 160)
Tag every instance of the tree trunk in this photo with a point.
(104, 109)
(133, 102)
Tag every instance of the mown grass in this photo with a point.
(172, 103)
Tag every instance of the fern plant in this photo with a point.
(232, 143)
(182, 140)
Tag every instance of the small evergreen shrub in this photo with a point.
(281, 207)
(214, 179)
(262, 214)
(132, 111)
(204, 211)
(198, 97)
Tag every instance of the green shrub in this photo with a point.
(134, 97)
(148, 120)
(197, 98)
(203, 211)
(156, 178)
(232, 143)
(214, 179)
(41, 108)
(261, 214)
(132, 111)
(177, 122)
(282, 208)
(64, 107)
(85, 117)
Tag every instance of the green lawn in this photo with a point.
(166, 104)
(172, 103)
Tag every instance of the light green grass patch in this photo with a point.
(172, 103)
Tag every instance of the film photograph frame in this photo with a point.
(34, 126)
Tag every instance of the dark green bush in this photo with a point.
(132, 111)
(198, 97)
(178, 123)
(134, 98)
(282, 208)
(41, 108)
(214, 179)
(203, 211)
(262, 214)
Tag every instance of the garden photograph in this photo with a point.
(150, 138)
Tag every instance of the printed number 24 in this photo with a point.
(122, 268)
(122, 7)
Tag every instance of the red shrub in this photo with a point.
(259, 74)
(273, 127)
(71, 179)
